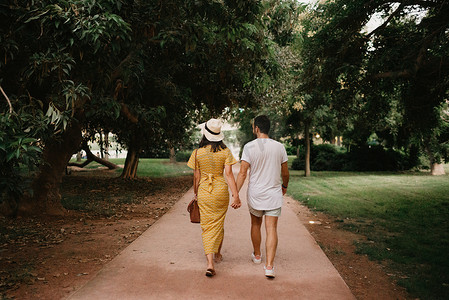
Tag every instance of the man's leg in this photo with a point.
(271, 224)
(256, 237)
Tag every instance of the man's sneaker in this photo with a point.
(269, 272)
(255, 259)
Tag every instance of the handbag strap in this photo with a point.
(195, 188)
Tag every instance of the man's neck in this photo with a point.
(262, 136)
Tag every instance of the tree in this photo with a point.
(275, 92)
(133, 68)
(65, 58)
(385, 79)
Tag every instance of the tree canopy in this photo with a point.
(391, 79)
(140, 69)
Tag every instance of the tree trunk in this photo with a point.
(172, 155)
(307, 137)
(46, 197)
(101, 145)
(131, 163)
(91, 157)
(339, 141)
(437, 169)
(106, 145)
(78, 156)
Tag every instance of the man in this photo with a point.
(268, 163)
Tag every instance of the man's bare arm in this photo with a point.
(242, 174)
(285, 177)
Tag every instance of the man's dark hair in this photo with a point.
(215, 146)
(263, 123)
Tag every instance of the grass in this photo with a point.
(405, 218)
(151, 167)
(161, 167)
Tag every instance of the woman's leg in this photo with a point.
(210, 261)
(218, 256)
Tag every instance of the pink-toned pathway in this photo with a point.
(167, 262)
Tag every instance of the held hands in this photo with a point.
(236, 203)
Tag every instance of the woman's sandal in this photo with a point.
(210, 272)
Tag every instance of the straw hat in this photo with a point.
(212, 130)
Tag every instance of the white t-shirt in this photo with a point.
(265, 157)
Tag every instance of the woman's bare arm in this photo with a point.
(231, 181)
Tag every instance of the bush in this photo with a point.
(183, 156)
(376, 158)
(327, 157)
(324, 157)
(291, 150)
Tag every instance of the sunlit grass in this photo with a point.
(161, 167)
(404, 216)
(149, 167)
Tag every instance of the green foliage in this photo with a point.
(183, 156)
(403, 216)
(382, 81)
(327, 157)
(324, 157)
(19, 150)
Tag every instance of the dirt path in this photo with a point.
(50, 258)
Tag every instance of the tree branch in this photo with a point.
(7, 99)
(419, 59)
(393, 74)
(397, 11)
(88, 161)
(127, 113)
(119, 87)
(92, 157)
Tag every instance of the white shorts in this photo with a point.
(259, 213)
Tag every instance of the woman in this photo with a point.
(211, 189)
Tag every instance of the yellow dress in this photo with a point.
(213, 195)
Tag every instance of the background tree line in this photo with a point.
(383, 88)
(149, 71)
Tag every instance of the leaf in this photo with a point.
(10, 156)
(28, 140)
(34, 148)
(49, 111)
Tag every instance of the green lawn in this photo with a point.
(404, 216)
(161, 167)
(151, 167)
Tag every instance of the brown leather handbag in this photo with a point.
(193, 208)
(194, 211)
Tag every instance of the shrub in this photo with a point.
(183, 156)
(291, 150)
(327, 157)
(322, 157)
(375, 158)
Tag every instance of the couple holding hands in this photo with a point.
(266, 160)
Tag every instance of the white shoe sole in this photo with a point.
(255, 260)
(269, 274)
